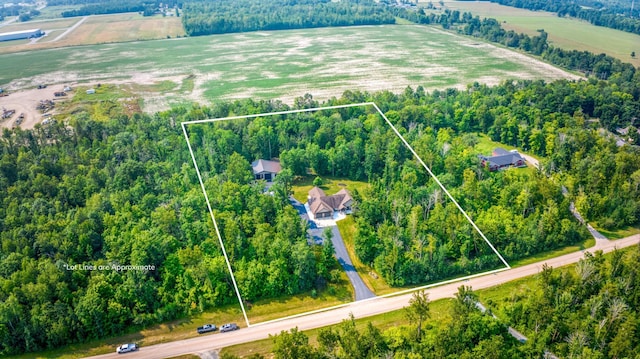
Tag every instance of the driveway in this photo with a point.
(361, 290)
(531, 160)
(599, 237)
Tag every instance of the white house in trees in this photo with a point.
(265, 169)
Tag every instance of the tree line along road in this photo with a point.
(359, 309)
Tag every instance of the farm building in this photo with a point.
(19, 35)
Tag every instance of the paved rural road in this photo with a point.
(360, 309)
(361, 290)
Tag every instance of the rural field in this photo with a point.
(91, 30)
(283, 64)
(563, 32)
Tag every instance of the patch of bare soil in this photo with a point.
(25, 102)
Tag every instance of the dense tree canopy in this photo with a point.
(202, 17)
(113, 189)
(147, 7)
(591, 311)
(466, 332)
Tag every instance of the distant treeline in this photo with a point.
(170, 3)
(616, 16)
(13, 10)
(224, 16)
(99, 7)
(110, 8)
(600, 66)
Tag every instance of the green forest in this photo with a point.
(464, 332)
(201, 17)
(123, 191)
(101, 188)
(589, 310)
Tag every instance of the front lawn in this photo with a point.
(330, 185)
(617, 233)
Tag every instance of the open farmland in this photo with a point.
(280, 64)
(55, 12)
(124, 27)
(58, 23)
(566, 33)
(95, 29)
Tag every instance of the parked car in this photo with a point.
(229, 327)
(207, 328)
(125, 348)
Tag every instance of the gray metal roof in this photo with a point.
(261, 166)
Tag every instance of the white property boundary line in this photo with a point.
(224, 252)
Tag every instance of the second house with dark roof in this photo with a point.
(501, 159)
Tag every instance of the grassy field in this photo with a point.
(563, 32)
(617, 233)
(44, 25)
(330, 185)
(276, 308)
(281, 64)
(125, 27)
(486, 145)
(55, 12)
(554, 253)
(98, 29)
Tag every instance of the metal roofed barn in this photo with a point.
(19, 35)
